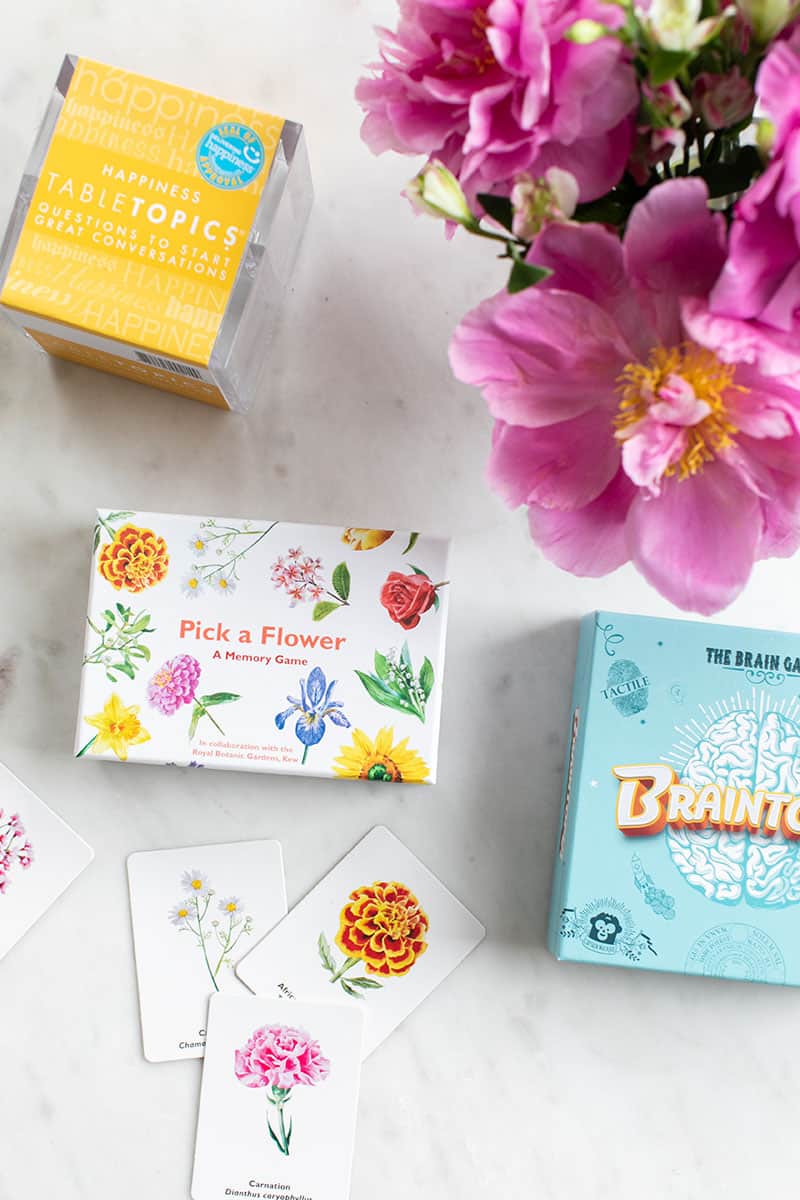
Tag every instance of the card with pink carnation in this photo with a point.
(40, 856)
(278, 1099)
(195, 911)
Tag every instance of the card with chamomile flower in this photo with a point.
(264, 645)
(195, 912)
(378, 933)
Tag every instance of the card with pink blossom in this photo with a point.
(195, 911)
(40, 856)
(278, 1100)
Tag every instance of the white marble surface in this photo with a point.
(519, 1077)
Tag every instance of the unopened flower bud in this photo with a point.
(766, 18)
(437, 192)
(538, 201)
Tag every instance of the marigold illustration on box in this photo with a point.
(15, 848)
(191, 915)
(383, 926)
(280, 1058)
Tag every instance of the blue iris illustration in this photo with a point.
(313, 707)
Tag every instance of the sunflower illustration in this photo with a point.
(380, 759)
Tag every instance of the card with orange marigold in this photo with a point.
(382, 926)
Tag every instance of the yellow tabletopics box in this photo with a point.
(154, 231)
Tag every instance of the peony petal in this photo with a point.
(590, 540)
(562, 466)
(648, 452)
(696, 542)
(673, 243)
(770, 350)
(540, 356)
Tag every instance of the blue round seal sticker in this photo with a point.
(230, 155)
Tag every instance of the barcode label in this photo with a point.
(167, 364)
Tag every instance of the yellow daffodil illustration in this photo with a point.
(380, 759)
(118, 727)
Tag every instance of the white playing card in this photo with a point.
(380, 932)
(39, 858)
(278, 1100)
(195, 911)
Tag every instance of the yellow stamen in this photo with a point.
(710, 378)
(197, 884)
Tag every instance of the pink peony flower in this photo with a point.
(495, 91)
(631, 420)
(280, 1056)
(174, 684)
(761, 278)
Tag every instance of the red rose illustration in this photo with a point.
(407, 597)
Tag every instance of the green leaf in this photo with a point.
(323, 609)
(728, 178)
(218, 698)
(436, 602)
(381, 665)
(121, 609)
(405, 656)
(381, 694)
(524, 275)
(419, 571)
(412, 541)
(126, 669)
(96, 542)
(325, 954)
(362, 982)
(341, 580)
(140, 625)
(500, 210)
(109, 616)
(145, 652)
(197, 713)
(426, 677)
(607, 211)
(88, 746)
(111, 678)
(350, 991)
(665, 64)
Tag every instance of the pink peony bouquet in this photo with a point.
(638, 165)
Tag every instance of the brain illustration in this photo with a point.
(743, 749)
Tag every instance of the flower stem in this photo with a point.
(205, 713)
(346, 966)
(203, 941)
(88, 746)
(305, 755)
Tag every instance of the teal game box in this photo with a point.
(679, 843)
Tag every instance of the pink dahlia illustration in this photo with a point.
(174, 684)
(280, 1057)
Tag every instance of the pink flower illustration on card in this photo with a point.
(280, 1058)
(15, 848)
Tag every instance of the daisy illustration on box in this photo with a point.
(280, 1058)
(383, 930)
(218, 929)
